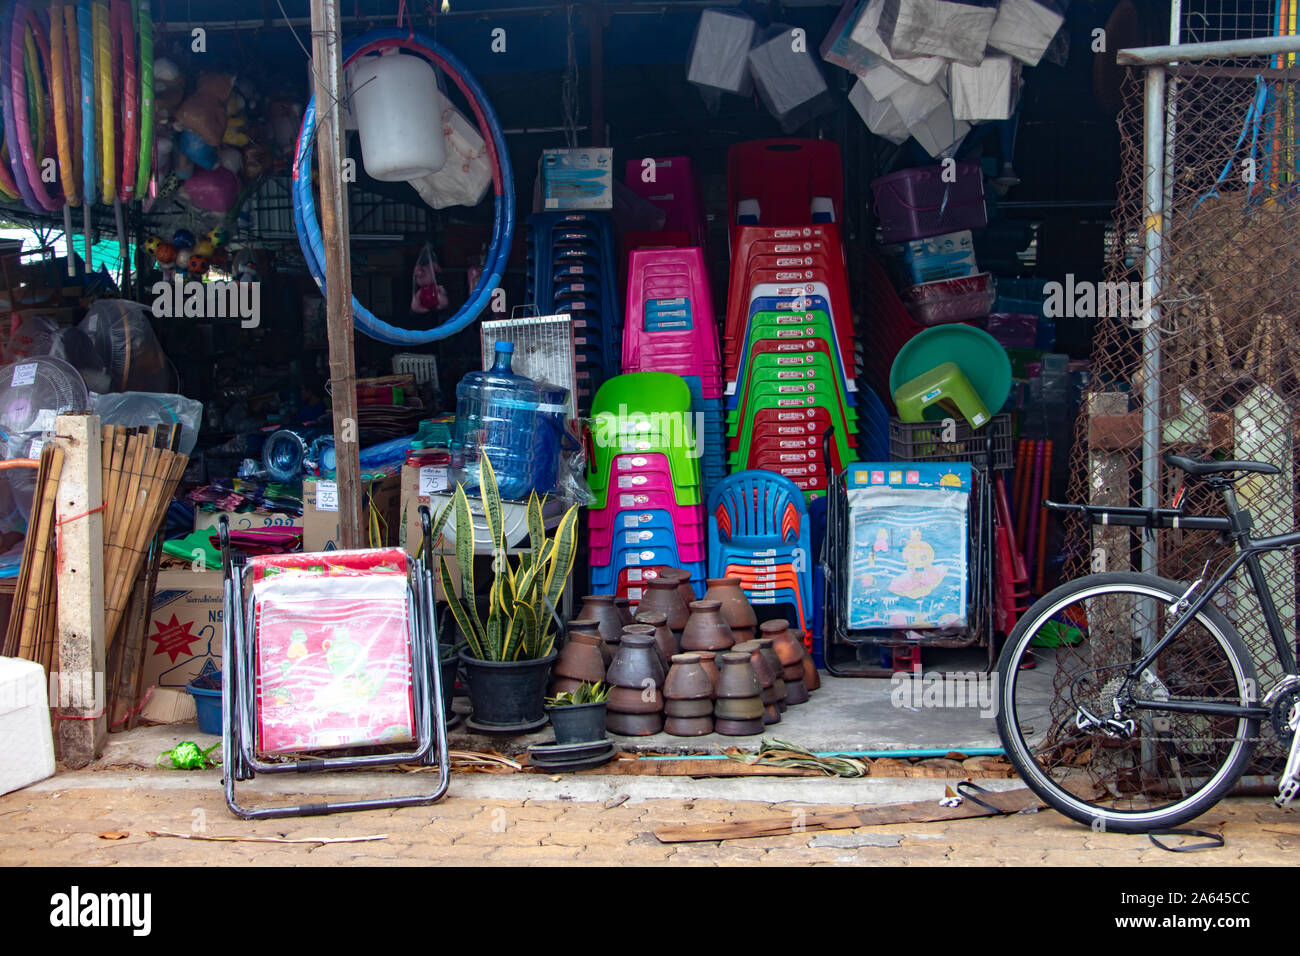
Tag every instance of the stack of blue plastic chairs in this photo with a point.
(571, 270)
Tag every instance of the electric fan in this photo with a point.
(124, 340)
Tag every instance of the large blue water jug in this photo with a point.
(495, 413)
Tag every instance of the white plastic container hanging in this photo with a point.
(394, 99)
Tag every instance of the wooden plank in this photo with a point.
(81, 726)
(921, 811)
(327, 71)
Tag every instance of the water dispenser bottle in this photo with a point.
(495, 413)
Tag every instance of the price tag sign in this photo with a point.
(432, 479)
(24, 374)
(327, 496)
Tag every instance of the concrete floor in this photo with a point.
(846, 714)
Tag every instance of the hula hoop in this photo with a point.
(308, 228)
(19, 44)
(125, 38)
(59, 95)
(73, 68)
(104, 105)
(21, 185)
(89, 171)
(144, 16)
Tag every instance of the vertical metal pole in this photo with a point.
(327, 70)
(1153, 213)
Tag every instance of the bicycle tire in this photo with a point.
(1024, 755)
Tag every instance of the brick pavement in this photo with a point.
(63, 826)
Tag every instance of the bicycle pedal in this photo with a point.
(1286, 794)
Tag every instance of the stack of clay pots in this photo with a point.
(738, 697)
(661, 596)
(592, 629)
(735, 607)
(657, 621)
(601, 609)
(636, 703)
(795, 664)
(768, 669)
(580, 661)
(705, 629)
(688, 697)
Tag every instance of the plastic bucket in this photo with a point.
(395, 102)
(208, 704)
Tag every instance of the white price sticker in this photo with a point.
(24, 374)
(432, 479)
(327, 496)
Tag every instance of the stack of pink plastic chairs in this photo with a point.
(669, 326)
(670, 184)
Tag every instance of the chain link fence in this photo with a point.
(1223, 352)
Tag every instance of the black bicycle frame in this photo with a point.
(1238, 525)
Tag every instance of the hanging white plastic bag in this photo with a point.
(467, 174)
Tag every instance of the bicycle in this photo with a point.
(1145, 714)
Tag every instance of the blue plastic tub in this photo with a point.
(208, 704)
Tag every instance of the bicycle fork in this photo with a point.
(1288, 785)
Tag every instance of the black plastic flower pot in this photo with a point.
(449, 667)
(507, 697)
(578, 723)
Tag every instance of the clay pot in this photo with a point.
(688, 708)
(684, 585)
(689, 726)
(737, 728)
(795, 692)
(793, 672)
(738, 708)
(687, 679)
(811, 679)
(581, 658)
(736, 609)
(624, 608)
(630, 700)
(660, 597)
(705, 630)
(709, 663)
(769, 654)
(636, 661)
(635, 725)
(736, 679)
(763, 669)
(663, 634)
(564, 685)
(592, 628)
(770, 714)
(788, 647)
(600, 608)
(650, 631)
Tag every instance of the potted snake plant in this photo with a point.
(508, 653)
(579, 716)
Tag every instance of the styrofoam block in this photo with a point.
(984, 92)
(1025, 29)
(719, 51)
(26, 741)
(915, 101)
(882, 80)
(880, 115)
(788, 81)
(939, 131)
(838, 47)
(866, 33)
(953, 30)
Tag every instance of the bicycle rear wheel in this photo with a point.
(1164, 768)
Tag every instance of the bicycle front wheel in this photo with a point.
(1131, 770)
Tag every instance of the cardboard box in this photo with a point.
(167, 705)
(246, 520)
(577, 179)
(719, 49)
(788, 81)
(320, 511)
(956, 30)
(1025, 29)
(185, 628)
(879, 115)
(987, 91)
(866, 34)
(948, 256)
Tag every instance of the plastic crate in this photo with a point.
(923, 441)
